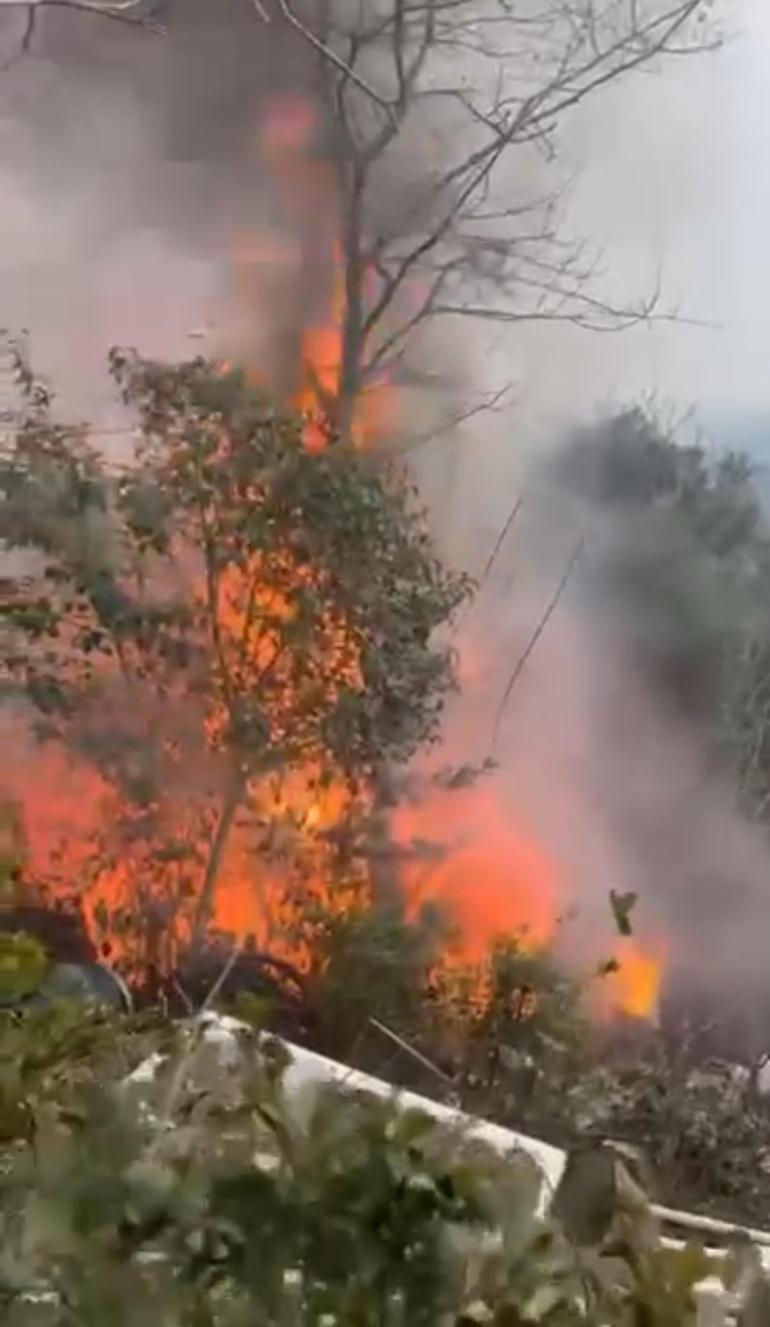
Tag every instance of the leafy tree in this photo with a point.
(686, 551)
(231, 630)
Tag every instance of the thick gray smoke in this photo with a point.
(130, 163)
(595, 760)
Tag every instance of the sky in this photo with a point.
(682, 165)
(671, 188)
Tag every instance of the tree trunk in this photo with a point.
(205, 906)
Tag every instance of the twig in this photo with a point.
(535, 637)
(334, 58)
(227, 814)
(118, 12)
(183, 996)
(410, 1050)
(501, 538)
(235, 954)
(490, 402)
(26, 40)
(177, 1080)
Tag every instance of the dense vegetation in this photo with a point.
(201, 1195)
(269, 611)
(230, 616)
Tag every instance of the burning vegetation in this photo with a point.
(231, 638)
(223, 650)
(227, 645)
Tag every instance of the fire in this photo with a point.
(489, 873)
(274, 871)
(305, 270)
(492, 878)
(288, 815)
(635, 988)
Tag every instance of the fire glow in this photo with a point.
(491, 876)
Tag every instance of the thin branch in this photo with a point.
(26, 40)
(490, 402)
(385, 1031)
(205, 903)
(183, 1064)
(380, 355)
(499, 542)
(526, 653)
(331, 55)
(119, 12)
(573, 50)
(501, 538)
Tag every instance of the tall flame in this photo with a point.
(491, 874)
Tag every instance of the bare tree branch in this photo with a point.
(331, 55)
(475, 81)
(30, 23)
(489, 403)
(501, 538)
(119, 12)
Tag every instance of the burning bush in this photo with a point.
(218, 647)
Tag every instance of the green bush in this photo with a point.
(203, 1196)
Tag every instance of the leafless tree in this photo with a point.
(438, 114)
(459, 87)
(137, 13)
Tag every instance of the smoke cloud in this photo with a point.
(129, 164)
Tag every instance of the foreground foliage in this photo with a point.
(202, 1195)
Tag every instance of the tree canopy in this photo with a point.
(685, 560)
(230, 610)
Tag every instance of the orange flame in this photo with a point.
(492, 878)
(490, 874)
(635, 988)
